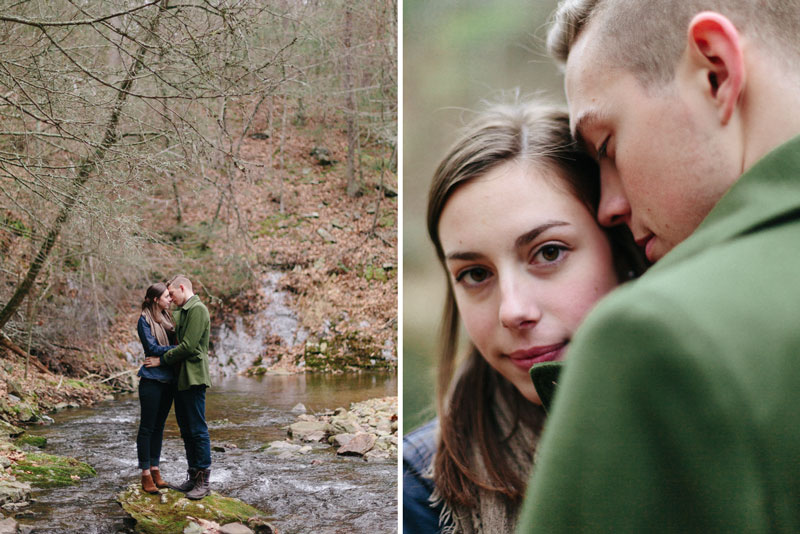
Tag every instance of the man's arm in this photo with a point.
(197, 322)
(149, 342)
(649, 432)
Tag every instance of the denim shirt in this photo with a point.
(163, 373)
(418, 448)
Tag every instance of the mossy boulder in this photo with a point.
(34, 441)
(348, 351)
(169, 512)
(48, 471)
(9, 430)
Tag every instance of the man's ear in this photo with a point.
(715, 47)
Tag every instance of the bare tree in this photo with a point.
(101, 100)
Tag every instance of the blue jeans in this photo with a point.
(155, 400)
(190, 412)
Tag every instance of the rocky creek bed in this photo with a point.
(284, 478)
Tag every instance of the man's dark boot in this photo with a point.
(201, 487)
(188, 484)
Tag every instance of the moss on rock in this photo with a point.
(349, 351)
(35, 441)
(167, 512)
(48, 471)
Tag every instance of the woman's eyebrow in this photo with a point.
(468, 256)
(530, 235)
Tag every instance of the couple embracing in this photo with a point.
(175, 368)
(676, 408)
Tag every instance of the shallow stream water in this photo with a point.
(318, 492)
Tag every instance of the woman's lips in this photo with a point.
(526, 358)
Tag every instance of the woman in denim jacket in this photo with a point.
(156, 385)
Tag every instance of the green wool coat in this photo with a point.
(192, 326)
(678, 409)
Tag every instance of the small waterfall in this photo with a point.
(235, 349)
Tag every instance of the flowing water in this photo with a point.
(318, 492)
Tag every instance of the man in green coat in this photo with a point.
(192, 326)
(677, 407)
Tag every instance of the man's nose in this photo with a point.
(614, 208)
(518, 303)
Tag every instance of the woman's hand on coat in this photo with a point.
(152, 361)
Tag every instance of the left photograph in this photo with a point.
(198, 266)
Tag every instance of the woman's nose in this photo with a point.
(518, 304)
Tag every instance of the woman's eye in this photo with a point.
(550, 253)
(473, 276)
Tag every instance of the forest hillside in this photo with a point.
(229, 141)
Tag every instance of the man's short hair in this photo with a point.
(179, 280)
(647, 37)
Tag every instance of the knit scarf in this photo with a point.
(494, 513)
(159, 326)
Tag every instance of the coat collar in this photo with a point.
(193, 300)
(768, 191)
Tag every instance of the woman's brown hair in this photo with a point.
(149, 303)
(537, 133)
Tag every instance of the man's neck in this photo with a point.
(770, 121)
(188, 298)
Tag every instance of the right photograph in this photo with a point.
(601, 223)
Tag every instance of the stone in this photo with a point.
(14, 491)
(345, 424)
(304, 450)
(178, 513)
(315, 436)
(304, 428)
(15, 387)
(49, 471)
(283, 445)
(26, 412)
(377, 455)
(10, 430)
(8, 526)
(14, 507)
(261, 526)
(340, 440)
(235, 528)
(326, 235)
(322, 155)
(193, 528)
(361, 443)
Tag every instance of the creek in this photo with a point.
(317, 492)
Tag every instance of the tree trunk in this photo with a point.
(352, 128)
(84, 173)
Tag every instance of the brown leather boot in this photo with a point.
(148, 485)
(157, 480)
(188, 484)
(201, 486)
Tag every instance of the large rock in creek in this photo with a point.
(309, 430)
(170, 512)
(361, 443)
